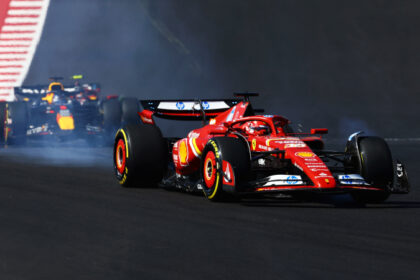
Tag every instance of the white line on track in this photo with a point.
(14, 42)
(13, 60)
(401, 139)
(14, 36)
(10, 69)
(17, 28)
(10, 66)
(8, 77)
(13, 49)
(24, 3)
(19, 12)
(21, 20)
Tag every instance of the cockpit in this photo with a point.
(263, 126)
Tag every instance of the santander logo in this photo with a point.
(21, 24)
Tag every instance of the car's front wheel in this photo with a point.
(376, 167)
(225, 162)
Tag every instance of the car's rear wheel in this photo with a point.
(111, 118)
(219, 152)
(140, 155)
(3, 118)
(18, 113)
(376, 168)
(130, 107)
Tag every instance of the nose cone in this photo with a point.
(313, 167)
(304, 159)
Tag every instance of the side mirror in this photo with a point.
(319, 130)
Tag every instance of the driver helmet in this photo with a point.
(256, 128)
(55, 86)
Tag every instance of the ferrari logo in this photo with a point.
(254, 144)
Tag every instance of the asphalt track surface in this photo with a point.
(63, 216)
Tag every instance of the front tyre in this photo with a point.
(225, 165)
(376, 168)
(140, 155)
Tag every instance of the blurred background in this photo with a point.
(343, 65)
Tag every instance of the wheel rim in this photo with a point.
(209, 170)
(120, 156)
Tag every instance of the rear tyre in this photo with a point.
(18, 113)
(376, 167)
(111, 118)
(232, 150)
(140, 155)
(3, 117)
(130, 107)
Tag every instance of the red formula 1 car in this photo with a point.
(239, 152)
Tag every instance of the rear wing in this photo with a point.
(41, 90)
(185, 109)
(31, 91)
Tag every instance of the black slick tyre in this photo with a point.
(140, 155)
(376, 168)
(235, 151)
(18, 113)
(130, 107)
(3, 118)
(111, 118)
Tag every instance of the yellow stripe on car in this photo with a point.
(196, 147)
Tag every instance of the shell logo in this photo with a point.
(183, 152)
(305, 154)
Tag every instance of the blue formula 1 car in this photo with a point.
(63, 113)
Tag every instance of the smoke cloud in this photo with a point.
(316, 62)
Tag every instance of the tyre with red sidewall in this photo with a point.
(233, 150)
(140, 155)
